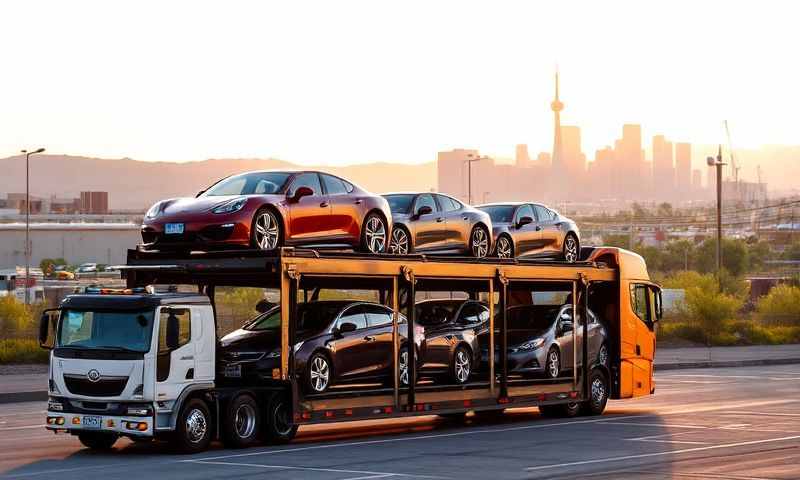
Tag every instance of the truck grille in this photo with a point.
(105, 387)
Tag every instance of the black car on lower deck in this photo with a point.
(337, 342)
(452, 332)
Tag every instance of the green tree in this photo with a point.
(792, 252)
(758, 254)
(678, 255)
(639, 211)
(780, 306)
(735, 256)
(47, 263)
(664, 210)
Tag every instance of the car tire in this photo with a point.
(98, 440)
(598, 394)
(266, 231)
(552, 365)
(461, 366)
(374, 234)
(278, 425)
(562, 410)
(479, 241)
(602, 355)
(319, 373)
(504, 247)
(571, 249)
(402, 362)
(193, 431)
(242, 425)
(401, 243)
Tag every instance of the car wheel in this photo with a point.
(98, 440)
(462, 366)
(553, 363)
(279, 427)
(479, 242)
(193, 429)
(242, 422)
(319, 373)
(602, 355)
(402, 364)
(598, 394)
(265, 233)
(373, 235)
(401, 241)
(505, 247)
(571, 248)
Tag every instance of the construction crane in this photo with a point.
(734, 167)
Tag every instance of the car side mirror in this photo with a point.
(424, 210)
(524, 221)
(301, 192)
(347, 327)
(45, 340)
(173, 332)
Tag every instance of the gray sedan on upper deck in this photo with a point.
(432, 222)
(531, 229)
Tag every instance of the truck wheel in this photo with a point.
(98, 440)
(193, 429)
(242, 422)
(598, 394)
(279, 427)
(562, 410)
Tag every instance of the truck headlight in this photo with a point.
(532, 345)
(140, 411)
(55, 405)
(231, 206)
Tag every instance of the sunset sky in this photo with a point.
(335, 82)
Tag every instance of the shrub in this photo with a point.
(14, 316)
(21, 350)
(780, 306)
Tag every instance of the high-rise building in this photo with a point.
(522, 159)
(683, 167)
(574, 160)
(94, 203)
(544, 160)
(663, 169)
(452, 172)
(630, 178)
(697, 180)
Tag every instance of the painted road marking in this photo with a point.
(318, 469)
(659, 454)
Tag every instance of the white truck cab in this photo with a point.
(122, 363)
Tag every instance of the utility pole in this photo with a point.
(718, 163)
(28, 222)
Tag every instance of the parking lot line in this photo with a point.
(659, 454)
(363, 474)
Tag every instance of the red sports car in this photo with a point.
(270, 209)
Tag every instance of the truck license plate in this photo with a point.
(173, 228)
(233, 371)
(92, 422)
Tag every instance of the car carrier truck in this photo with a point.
(144, 363)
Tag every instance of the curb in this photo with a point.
(41, 396)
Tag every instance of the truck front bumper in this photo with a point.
(74, 423)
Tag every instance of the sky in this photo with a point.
(341, 82)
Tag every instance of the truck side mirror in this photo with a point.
(173, 332)
(45, 339)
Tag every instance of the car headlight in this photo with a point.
(235, 357)
(532, 345)
(154, 210)
(230, 206)
(274, 354)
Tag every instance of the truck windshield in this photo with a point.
(112, 330)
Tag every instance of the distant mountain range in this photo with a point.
(134, 184)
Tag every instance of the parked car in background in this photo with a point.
(452, 332)
(432, 222)
(339, 342)
(540, 340)
(270, 209)
(86, 268)
(532, 229)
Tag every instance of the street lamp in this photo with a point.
(717, 162)
(470, 159)
(28, 221)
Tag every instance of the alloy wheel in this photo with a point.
(267, 231)
(553, 364)
(404, 367)
(245, 421)
(598, 391)
(196, 425)
(570, 249)
(602, 355)
(504, 247)
(375, 234)
(480, 243)
(462, 366)
(399, 243)
(320, 374)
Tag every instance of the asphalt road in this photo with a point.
(732, 423)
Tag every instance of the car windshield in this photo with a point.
(112, 330)
(255, 183)
(400, 203)
(312, 316)
(499, 213)
(435, 313)
(532, 317)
